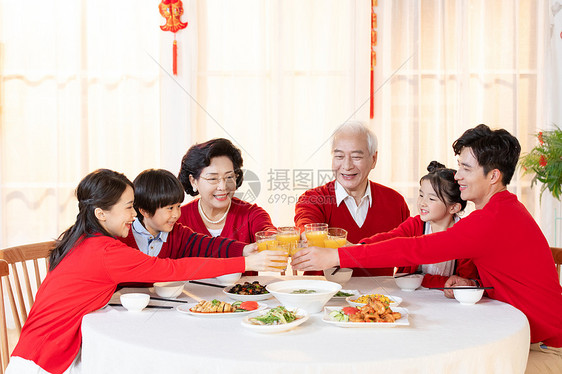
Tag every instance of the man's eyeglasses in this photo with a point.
(229, 179)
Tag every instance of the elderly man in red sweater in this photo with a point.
(352, 202)
(501, 237)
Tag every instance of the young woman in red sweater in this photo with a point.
(439, 202)
(85, 268)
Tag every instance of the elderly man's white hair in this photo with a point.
(357, 127)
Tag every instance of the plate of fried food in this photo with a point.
(364, 317)
(275, 320)
(362, 300)
(217, 308)
(247, 292)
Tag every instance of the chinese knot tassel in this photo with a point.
(175, 57)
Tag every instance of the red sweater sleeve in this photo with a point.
(259, 220)
(426, 249)
(184, 242)
(309, 207)
(411, 227)
(125, 264)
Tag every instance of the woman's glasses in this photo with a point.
(228, 179)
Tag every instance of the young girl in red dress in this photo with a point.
(439, 202)
(86, 266)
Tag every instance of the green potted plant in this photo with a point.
(544, 162)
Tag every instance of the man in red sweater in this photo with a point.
(501, 237)
(352, 202)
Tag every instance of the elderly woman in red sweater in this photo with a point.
(212, 170)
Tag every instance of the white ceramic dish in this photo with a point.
(134, 302)
(355, 293)
(185, 308)
(468, 297)
(394, 300)
(403, 321)
(238, 297)
(409, 283)
(310, 302)
(271, 329)
(168, 290)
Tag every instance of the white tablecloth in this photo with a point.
(443, 337)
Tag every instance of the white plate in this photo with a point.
(403, 321)
(270, 329)
(234, 296)
(185, 308)
(394, 300)
(354, 292)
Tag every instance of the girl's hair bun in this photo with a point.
(434, 166)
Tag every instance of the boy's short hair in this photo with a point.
(156, 188)
(493, 149)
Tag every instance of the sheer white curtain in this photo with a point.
(455, 64)
(279, 76)
(86, 85)
(79, 92)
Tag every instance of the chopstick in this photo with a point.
(406, 275)
(148, 306)
(335, 271)
(163, 299)
(207, 284)
(461, 288)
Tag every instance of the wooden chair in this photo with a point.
(16, 258)
(5, 352)
(557, 255)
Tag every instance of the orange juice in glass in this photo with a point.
(263, 238)
(316, 234)
(289, 235)
(336, 238)
(280, 246)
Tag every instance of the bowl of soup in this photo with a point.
(308, 295)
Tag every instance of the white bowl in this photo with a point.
(309, 302)
(342, 276)
(168, 289)
(469, 296)
(134, 302)
(409, 283)
(229, 279)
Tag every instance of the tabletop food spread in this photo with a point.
(286, 338)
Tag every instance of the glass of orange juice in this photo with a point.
(280, 246)
(265, 237)
(336, 238)
(316, 234)
(288, 235)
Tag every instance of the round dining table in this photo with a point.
(443, 336)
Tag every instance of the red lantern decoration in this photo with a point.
(172, 10)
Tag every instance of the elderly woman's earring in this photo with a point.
(194, 188)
